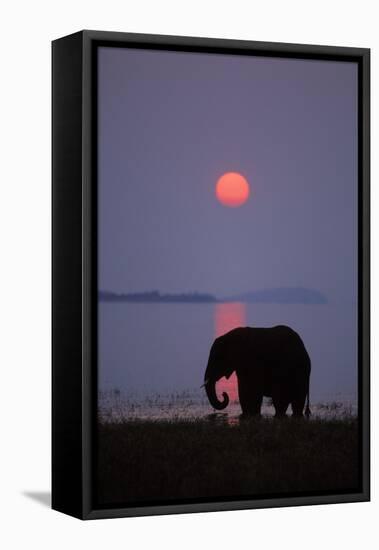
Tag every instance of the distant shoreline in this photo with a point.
(281, 295)
(156, 297)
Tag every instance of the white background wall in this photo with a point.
(26, 31)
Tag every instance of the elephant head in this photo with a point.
(219, 366)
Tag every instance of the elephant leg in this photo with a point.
(254, 406)
(281, 406)
(299, 395)
(280, 401)
(297, 405)
(250, 397)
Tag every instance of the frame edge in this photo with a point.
(67, 385)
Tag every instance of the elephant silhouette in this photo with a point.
(270, 362)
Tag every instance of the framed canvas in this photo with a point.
(210, 275)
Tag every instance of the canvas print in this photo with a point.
(227, 277)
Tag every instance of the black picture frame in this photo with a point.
(74, 269)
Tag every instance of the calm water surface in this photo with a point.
(152, 357)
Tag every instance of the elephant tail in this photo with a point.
(307, 408)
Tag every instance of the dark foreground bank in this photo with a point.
(162, 460)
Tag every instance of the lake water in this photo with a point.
(152, 357)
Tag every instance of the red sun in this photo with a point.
(232, 189)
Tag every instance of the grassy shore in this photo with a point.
(162, 460)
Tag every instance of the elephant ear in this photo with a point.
(225, 351)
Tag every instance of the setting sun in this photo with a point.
(232, 189)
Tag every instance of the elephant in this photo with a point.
(270, 362)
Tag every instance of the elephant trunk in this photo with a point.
(210, 388)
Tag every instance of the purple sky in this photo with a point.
(171, 123)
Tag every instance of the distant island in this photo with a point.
(280, 295)
(155, 296)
